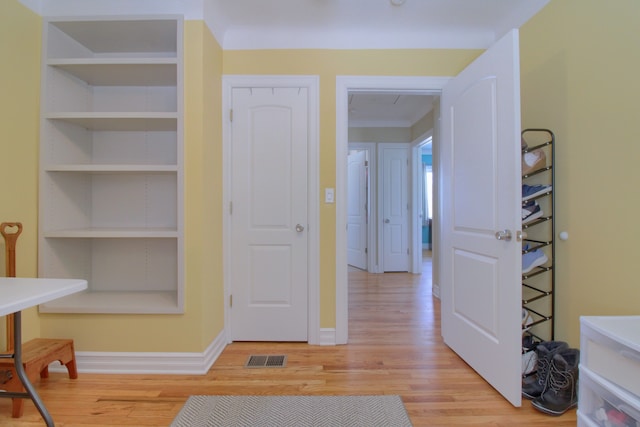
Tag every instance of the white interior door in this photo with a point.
(357, 207)
(269, 284)
(481, 191)
(395, 206)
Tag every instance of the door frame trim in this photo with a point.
(344, 85)
(312, 84)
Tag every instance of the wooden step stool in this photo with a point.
(38, 353)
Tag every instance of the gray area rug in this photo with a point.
(294, 411)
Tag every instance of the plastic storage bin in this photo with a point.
(610, 347)
(602, 403)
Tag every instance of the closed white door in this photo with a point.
(357, 200)
(395, 206)
(481, 192)
(269, 284)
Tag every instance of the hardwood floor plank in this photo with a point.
(394, 347)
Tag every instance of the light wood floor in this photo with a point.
(394, 348)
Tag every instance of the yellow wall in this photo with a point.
(210, 231)
(328, 64)
(425, 124)
(379, 134)
(580, 62)
(19, 126)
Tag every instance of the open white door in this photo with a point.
(481, 192)
(357, 221)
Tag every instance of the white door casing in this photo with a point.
(357, 222)
(344, 85)
(480, 183)
(394, 176)
(271, 227)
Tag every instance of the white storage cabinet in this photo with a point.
(609, 386)
(111, 163)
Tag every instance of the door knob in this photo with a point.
(386, 221)
(299, 228)
(503, 235)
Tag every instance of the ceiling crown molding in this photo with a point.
(335, 24)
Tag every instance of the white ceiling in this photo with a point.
(326, 24)
(361, 24)
(388, 109)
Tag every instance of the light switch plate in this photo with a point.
(329, 195)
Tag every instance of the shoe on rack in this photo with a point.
(533, 161)
(531, 191)
(561, 389)
(529, 357)
(529, 361)
(533, 259)
(527, 320)
(531, 211)
(533, 385)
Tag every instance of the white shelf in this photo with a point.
(120, 71)
(94, 168)
(89, 37)
(129, 121)
(115, 303)
(98, 233)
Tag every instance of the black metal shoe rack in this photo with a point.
(538, 285)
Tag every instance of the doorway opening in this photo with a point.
(424, 202)
(345, 88)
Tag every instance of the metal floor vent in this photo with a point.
(266, 361)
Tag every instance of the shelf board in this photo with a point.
(119, 121)
(94, 168)
(137, 233)
(121, 71)
(117, 302)
(102, 36)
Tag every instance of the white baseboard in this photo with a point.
(327, 336)
(147, 363)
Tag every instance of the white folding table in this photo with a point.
(17, 294)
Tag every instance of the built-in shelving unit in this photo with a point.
(111, 163)
(538, 285)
